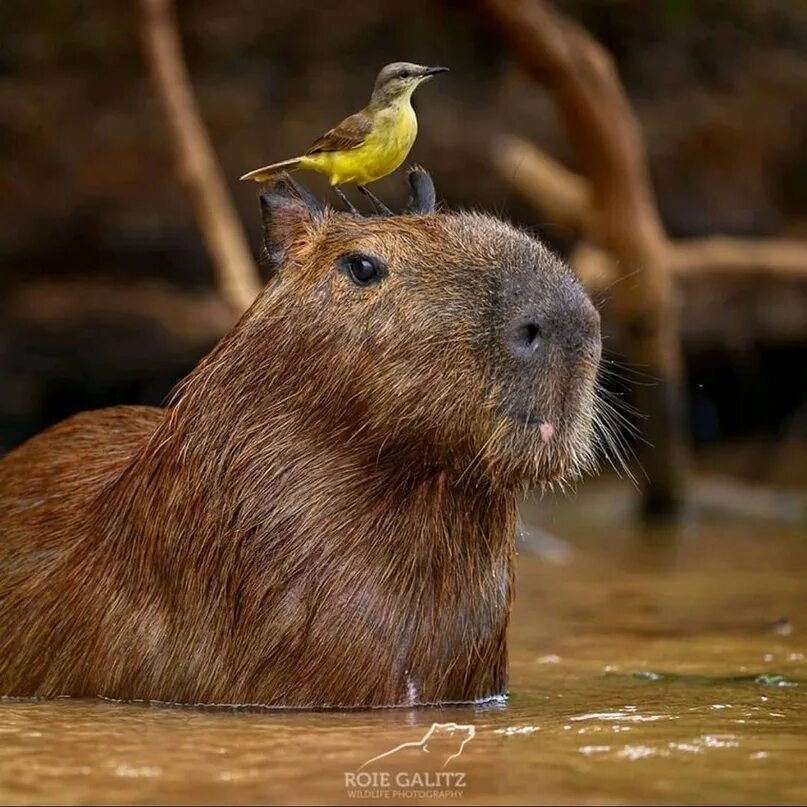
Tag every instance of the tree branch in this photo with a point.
(564, 197)
(561, 195)
(593, 266)
(622, 219)
(690, 258)
(778, 257)
(236, 273)
(580, 76)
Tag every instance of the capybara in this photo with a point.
(326, 513)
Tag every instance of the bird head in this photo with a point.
(401, 79)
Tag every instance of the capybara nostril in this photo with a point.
(526, 338)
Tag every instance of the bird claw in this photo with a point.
(350, 206)
(376, 202)
(422, 200)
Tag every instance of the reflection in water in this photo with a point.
(636, 676)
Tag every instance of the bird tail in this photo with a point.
(269, 171)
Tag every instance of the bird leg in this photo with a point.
(377, 203)
(350, 206)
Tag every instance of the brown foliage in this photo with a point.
(197, 163)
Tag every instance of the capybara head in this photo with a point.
(448, 341)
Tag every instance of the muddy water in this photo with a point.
(655, 668)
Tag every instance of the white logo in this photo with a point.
(415, 770)
(467, 733)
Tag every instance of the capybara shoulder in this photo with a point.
(69, 463)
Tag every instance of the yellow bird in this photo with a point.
(370, 144)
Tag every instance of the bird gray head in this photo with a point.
(401, 79)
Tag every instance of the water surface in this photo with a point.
(645, 668)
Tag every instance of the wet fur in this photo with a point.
(326, 514)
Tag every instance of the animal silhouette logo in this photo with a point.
(438, 747)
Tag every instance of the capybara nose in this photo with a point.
(526, 338)
(573, 328)
(583, 330)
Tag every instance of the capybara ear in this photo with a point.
(424, 197)
(286, 210)
(287, 184)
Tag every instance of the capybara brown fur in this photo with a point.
(326, 513)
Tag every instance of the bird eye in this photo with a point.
(405, 74)
(364, 270)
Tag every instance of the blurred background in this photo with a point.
(107, 294)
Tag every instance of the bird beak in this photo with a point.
(428, 72)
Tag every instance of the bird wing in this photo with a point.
(349, 134)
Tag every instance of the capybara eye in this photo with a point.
(364, 270)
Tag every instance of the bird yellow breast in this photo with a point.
(385, 148)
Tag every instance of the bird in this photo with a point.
(369, 144)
